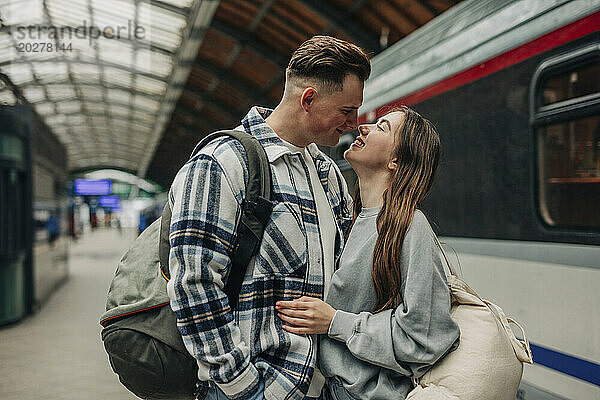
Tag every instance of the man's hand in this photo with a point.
(305, 315)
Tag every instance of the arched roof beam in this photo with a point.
(115, 117)
(251, 41)
(101, 163)
(431, 9)
(357, 5)
(58, 60)
(107, 149)
(196, 120)
(86, 102)
(225, 75)
(97, 167)
(104, 85)
(183, 113)
(409, 18)
(212, 100)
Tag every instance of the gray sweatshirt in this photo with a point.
(374, 356)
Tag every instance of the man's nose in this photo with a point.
(352, 120)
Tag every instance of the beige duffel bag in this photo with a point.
(488, 363)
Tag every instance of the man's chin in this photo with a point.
(329, 143)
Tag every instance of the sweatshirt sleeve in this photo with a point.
(412, 337)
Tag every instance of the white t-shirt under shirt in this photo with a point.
(327, 230)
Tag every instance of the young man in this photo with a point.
(245, 354)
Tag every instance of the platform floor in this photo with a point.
(57, 352)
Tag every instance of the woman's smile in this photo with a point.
(358, 143)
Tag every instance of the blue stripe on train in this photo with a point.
(585, 370)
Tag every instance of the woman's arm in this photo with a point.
(408, 339)
(305, 315)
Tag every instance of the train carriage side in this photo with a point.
(518, 187)
(33, 212)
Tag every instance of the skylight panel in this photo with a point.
(117, 95)
(48, 72)
(84, 88)
(92, 95)
(152, 16)
(115, 14)
(118, 76)
(146, 103)
(76, 120)
(9, 52)
(141, 130)
(181, 3)
(143, 116)
(149, 85)
(44, 108)
(86, 73)
(153, 63)
(61, 131)
(69, 107)
(69, 13)
(34, 94)
(120, 123)
(101, 127)
(56, 119)
(116, 52)
(22, 12)
(167, 40)
(19, 73)
(60, 92)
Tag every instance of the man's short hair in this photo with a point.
(328, 60)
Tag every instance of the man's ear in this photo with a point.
(308, 97)
(393, 164)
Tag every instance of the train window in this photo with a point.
(11, 148)
(568, 141)
(572, 83)
(569, 165)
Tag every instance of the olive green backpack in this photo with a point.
(140, 333)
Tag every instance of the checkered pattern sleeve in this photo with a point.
(205, 213)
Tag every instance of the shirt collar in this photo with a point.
(254, 123)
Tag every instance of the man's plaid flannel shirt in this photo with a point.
(236, 349)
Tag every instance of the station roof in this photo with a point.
(134, 84)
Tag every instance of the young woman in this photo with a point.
(387, 313)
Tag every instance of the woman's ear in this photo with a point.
(393, 164)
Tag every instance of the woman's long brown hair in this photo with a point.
(417, 149)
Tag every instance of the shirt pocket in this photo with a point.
(284, 247)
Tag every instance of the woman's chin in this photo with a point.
(349, 155)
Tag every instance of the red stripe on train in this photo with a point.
(539, 45)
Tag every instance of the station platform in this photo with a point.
(57, 353)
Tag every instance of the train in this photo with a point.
(513, 88)
(34, 209)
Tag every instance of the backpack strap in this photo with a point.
(256, 209)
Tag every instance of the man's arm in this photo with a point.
(205, 214)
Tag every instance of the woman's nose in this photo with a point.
(363, 130)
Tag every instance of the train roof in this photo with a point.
(467, 34)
